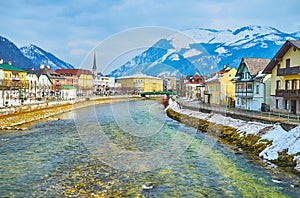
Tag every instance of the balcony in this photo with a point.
(288, 71)
(288, 93)
(244, 94)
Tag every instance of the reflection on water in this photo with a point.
(52, 160)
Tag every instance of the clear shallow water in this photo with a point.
(112, 150)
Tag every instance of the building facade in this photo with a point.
(140, 83)
(219, 89)
(285, 78)
(169, 83)
(13, 84)
(195, 87)
(251, 86)
(82, 79)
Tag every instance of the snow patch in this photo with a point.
(191, 53)
(281, 139)
(174, 57)
(221, 50)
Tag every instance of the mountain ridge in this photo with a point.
(30, 56)
(41, 57)
(208, 50)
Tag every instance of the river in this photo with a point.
(112, 150)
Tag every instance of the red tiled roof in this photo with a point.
(74, 72)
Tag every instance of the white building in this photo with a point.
(45, 85)
(251, 86)
(33, 85)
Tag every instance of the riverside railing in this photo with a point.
(270, 117)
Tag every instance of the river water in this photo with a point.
(112, 150)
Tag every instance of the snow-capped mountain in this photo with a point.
(206, 50)
(40, 57)
(10, 52)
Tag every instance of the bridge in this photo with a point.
(144, 94)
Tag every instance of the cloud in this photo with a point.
(68, 28)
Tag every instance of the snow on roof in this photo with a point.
(215, 78)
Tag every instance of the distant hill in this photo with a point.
(29, 56)
(39, 56)
(206, 51)
(10, 52)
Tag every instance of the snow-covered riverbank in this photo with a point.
(276, 142)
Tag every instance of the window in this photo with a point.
(238, 101)
(278, 84)
(294, 84)
(257, 89)
(6, 75)
(287, 84)
(249, 87)
(287, 63)
(277, 103)
(286, 104)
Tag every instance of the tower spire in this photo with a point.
(94, 69)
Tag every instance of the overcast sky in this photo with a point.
(71, 29)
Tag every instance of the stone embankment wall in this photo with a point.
(234, 132)
(14, 117)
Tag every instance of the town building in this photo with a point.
(219, 88)
(181, 86)
(13, 84)
(195, 87)
(169, 83)
(57, 80)
(251, 86)
(81, 79)
(140, 83)
(33, 84)
(285, 78)
(44, 86)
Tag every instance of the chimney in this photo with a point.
(9, 62)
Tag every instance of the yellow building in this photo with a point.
(219, 89)
(285, 78)
(13, 83)
(140, 83)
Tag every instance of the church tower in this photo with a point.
(94, 69)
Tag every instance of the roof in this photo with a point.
(8, 67)
(68, 87)
(139, 75)
(74, 72)
(196, 79)
(255, 65)
(282, 51)
(48, 72)
(217, 76)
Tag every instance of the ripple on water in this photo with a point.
(50, 160)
